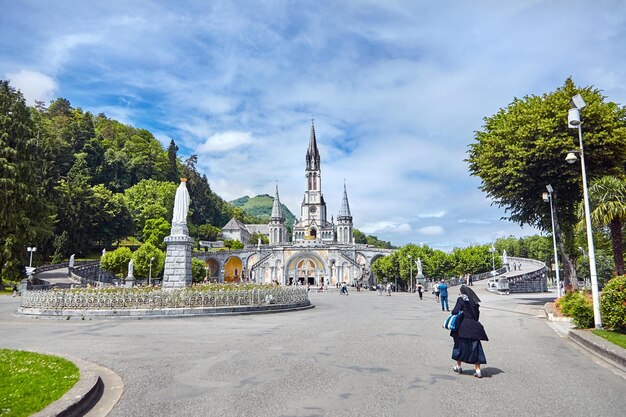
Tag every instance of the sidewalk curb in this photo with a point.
(610, 352)
(83, 396)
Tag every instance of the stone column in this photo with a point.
(177, 273)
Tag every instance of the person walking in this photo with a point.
(14, 290)
(469, 333)
(443, 295)
(389, 289)
(436, 291)
(419, 290)
(344, 289)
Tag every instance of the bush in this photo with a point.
(116, 262)
(613, 304)
(142, 256)
(198, 270)
(579, 307)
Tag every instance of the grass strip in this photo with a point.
(31, 381)
(614, 337)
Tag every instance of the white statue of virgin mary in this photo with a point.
(181, 203)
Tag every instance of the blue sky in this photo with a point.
(397, 89)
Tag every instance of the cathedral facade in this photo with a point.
(320, 251)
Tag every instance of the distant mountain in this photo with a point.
(261, 206)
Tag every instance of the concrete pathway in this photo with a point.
(360, 355)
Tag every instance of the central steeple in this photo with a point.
(312, 154)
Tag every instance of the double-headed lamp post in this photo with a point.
(411, 273)
(573, 121)
(30, 264)
(547, 197)
(150, 273)
(31, 250)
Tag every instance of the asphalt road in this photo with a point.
(360, 355)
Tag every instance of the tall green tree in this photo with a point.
(150, 199)
(26, 218)
(522, 148)
(607, 197)
(173, 173)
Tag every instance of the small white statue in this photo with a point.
(505, 259)
(104, 252)
(72, 261)
(131, 267)
(420, 273)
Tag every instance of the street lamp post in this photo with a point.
(492, 249)
(573, 121)
(30, 264)
(150, 273)
(547, 196)
(411, 273)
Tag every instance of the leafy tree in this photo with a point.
(254, 237)
(522, 147)
(155, 230)
(604, 267)
(150, 199)
(607, 197)
(209, 232)
(141, 259)
(116, 262)
(384, 269)
(26, 218)
(111, 220)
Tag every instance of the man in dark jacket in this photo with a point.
(469, 333)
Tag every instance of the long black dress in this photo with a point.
(467, 346)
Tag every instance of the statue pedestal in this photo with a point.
(177, 273)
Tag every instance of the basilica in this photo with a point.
(319, 252)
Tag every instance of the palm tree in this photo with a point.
(607, 197)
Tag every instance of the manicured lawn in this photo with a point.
(30, 381)
(617, 338)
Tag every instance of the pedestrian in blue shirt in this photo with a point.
(443, 295)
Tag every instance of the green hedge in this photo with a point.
(613, 304)
(579, 307)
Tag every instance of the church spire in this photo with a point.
(344, 212)
(277, 210)
(312, 154)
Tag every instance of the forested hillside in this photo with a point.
(73, 182)
(261, 207)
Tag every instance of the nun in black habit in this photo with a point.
(467, 336)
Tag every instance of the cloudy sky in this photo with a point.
(396, 88)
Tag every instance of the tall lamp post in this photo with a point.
(573, 121)
(30, 264)
(547, 196)
(411, 273)
(492, 249)
(150, 273)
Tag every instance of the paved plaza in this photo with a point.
(360, 355)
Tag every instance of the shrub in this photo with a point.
(579, 307)
(613, 304)
(142, 256)
(116, 262)
(198, 270)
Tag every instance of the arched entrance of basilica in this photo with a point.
(306, 269)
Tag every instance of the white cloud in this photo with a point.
(431, 230)
(225, 141)
(34, 85)
(386, 226)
